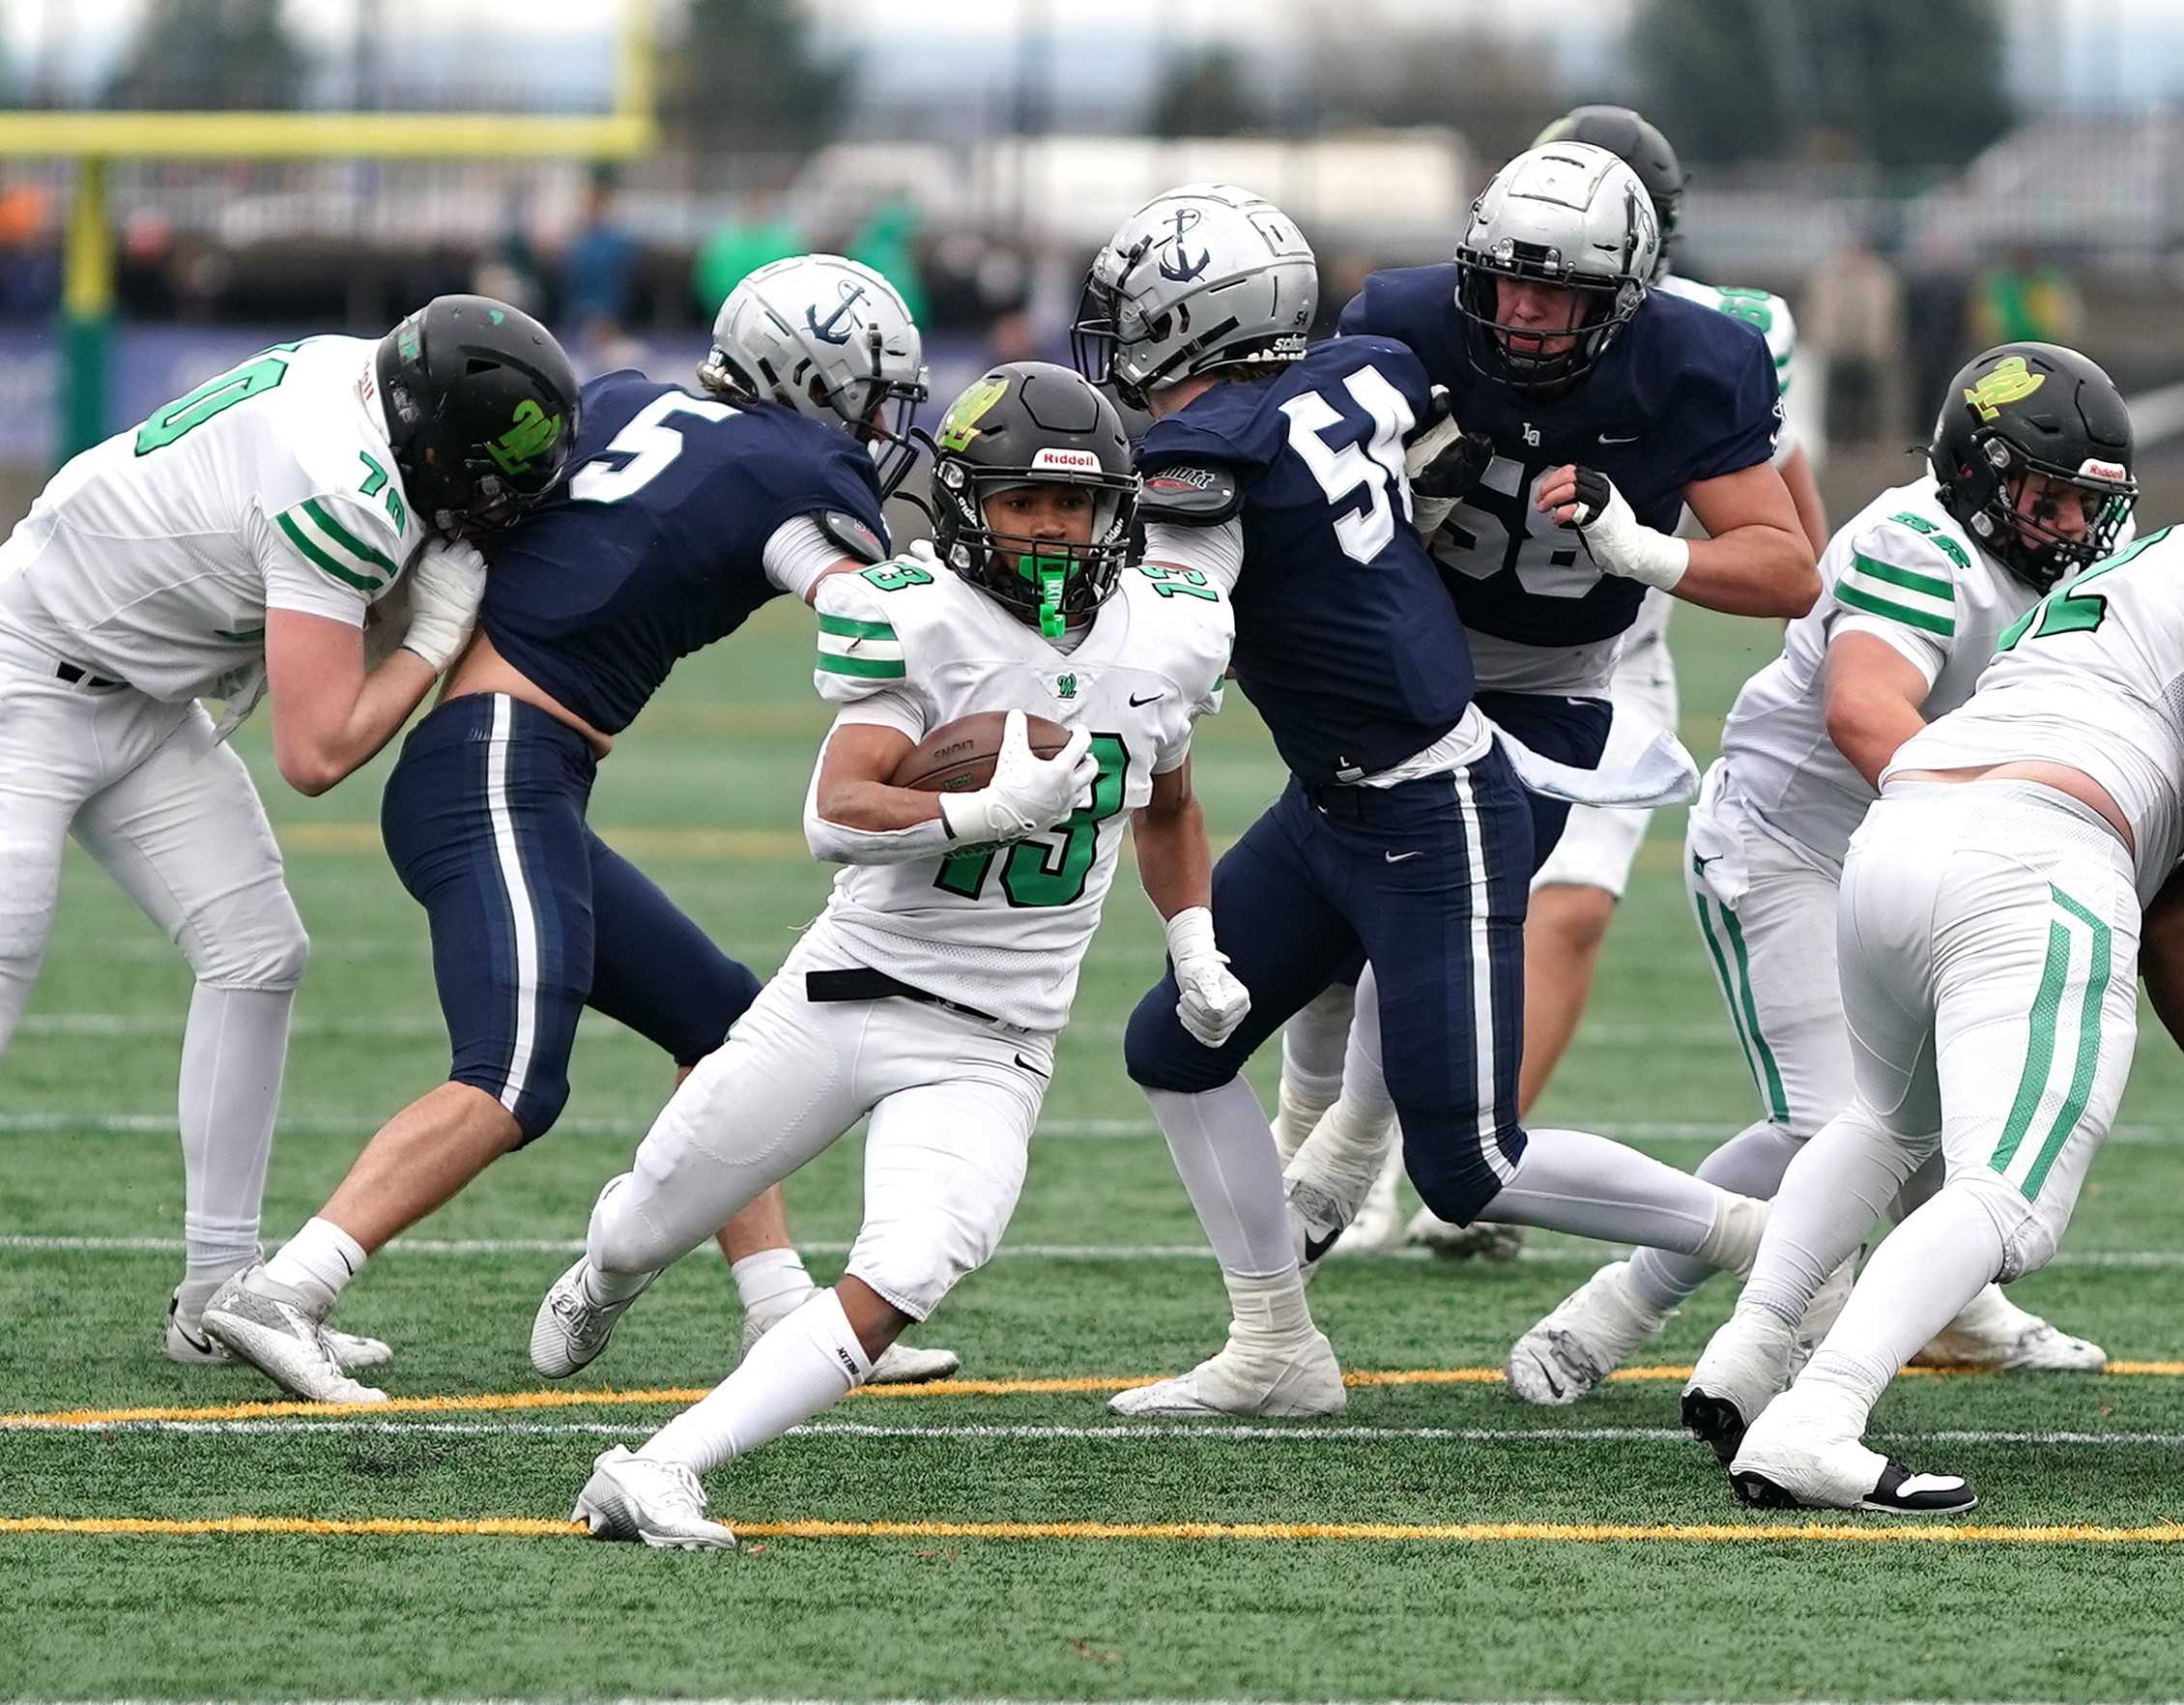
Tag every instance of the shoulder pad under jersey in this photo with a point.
(1191, 494)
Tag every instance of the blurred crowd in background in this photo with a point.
(1906, 176)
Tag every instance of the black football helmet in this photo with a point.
(1030, 423)
(1640, 146)
(2034, 408)
(481, 409)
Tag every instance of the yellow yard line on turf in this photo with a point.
(1431, 1533)
(474, 1402)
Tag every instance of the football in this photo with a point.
(961, 755)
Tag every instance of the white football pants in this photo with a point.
(952, 1101)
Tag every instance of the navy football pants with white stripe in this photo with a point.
(1428, 879)
(534, 917)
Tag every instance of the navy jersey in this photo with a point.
(655, 547)
(1683, 393)
(1345, 637)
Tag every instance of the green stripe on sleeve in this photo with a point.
(849, 627)
(871, 667)
(347, 576)
(348, 541)
(1944, 625)
(1905, 578)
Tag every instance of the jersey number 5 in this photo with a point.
(1045, 871)
(649, 443)
(1372, 468)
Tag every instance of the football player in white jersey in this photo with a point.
(929, 991)
(1577, 887)
(1989, 934)
(2029, 478)
(233, 546)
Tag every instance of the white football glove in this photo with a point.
(446, 589)
(1213, 1003)
(1618, 541)
(1028, 794)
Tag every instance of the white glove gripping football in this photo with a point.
(446, 589)
(1028, 794)
(1618, 543)
(1214, 1002)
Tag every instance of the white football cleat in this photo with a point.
(1589, 1334)
(1994, 1334)
(1451, 1242)
(193, 1347)
(904, 1364)
(1788, 1462)
(277, 1332)
(658, 1503)
(1302, 1378)
(1376, 1228)
(1745, 1365)
(572, 1326)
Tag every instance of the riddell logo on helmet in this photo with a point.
(1066, 461)
(2092, 468)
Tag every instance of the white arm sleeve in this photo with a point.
(834, 843)
(1216, 552)
(798, 554)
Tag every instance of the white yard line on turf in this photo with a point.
(1586, 1255)
(1301, 1434)
(330, 1122)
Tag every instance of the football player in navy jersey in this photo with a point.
(1592, 410)
(684, 514)
(1278, 472)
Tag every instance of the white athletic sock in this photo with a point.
(1271, 1309)
(317, 1261)
(232, 1049)
(1311, 1065)
(1592, 1187)
(1224, 1150)
(809, 1361)
(773, 1286)
(1918, 1279)
(1347, 1150)
(1841, 1182)
(1751, 1164)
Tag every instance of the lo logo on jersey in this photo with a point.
(853, 293)
(1177, 265)
(533, 433)
(2006, 382)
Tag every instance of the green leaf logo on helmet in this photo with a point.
(2008, 381)
(533, 433)
(960, 425)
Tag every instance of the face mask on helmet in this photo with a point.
(1097, 334)
(1544, 356)
(1045, 581)
(481, 412)
(2045, 523)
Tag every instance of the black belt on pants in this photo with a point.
(1354, 802)
(861, 984)
(73, 676)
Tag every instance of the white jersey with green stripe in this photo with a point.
(154, 557)
(912, 645)
(2093, 678)
(1766, 314)
(1904, 571)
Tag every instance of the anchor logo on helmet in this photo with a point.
(853, 293)
(1179, 268)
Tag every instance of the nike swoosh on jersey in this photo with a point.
(1399, 857)
(1611, 438)
(1136, 702)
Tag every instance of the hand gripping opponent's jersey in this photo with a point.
(1906, 572)
(657, 546)
(1683, 394)
(1345, 637)
(153, 558)
(913, 645)
(2091, 677)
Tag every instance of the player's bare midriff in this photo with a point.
(481, 669)
(2059, 776)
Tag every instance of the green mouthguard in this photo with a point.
(1049, 572)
